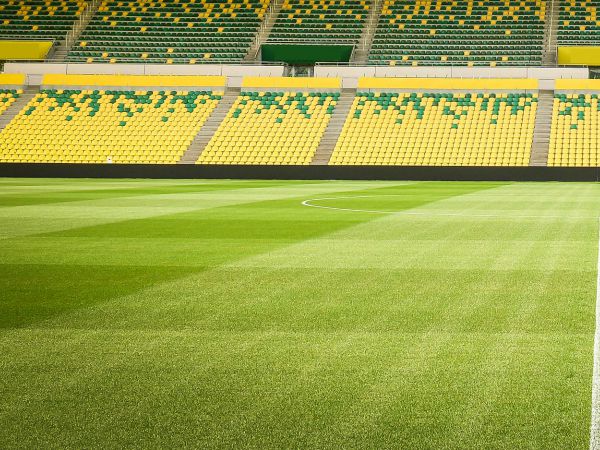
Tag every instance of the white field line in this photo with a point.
(310, 201)
(595, 425)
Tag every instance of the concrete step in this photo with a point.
(14, 109)
(361, 53)
(334, 127)
(550, 32)
(264, 31)
(78, 27)
(210, 127)
(541, 130)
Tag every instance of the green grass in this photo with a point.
(224, 314)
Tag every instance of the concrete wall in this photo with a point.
(234, 72)
(546, 75)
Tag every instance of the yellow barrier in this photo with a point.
(449, 83)
(21, 50)
(579, 56)
(12, 79)
(577, 85)
(132, 80)
(294, 83)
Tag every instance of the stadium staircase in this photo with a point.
(210, 127)
(361, 54)
(265, 30)
(551, 33)
(334, 128)
(541, 130)
(17, 106)
(63, 50)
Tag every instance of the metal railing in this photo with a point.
(371, 25)
(263, 26)
(80, 23)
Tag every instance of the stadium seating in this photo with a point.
(472, 32)
(170, 31)
(47, 19)
(578, 22)
(106, 126)
(574, 135)
(437, 129)
(319, 21)
(271, 128)
(8, 97)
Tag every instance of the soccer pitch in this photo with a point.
(293, 314)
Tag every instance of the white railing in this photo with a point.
(262, 29)
(371, 25)
(81, 22)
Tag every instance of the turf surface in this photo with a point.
(225, 314)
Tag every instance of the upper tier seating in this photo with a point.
(319, 21)
(578, 22)
(452, 32)
(271, 128)
(170, 31)
(8, 97)
(106, 126)
(421, 129)
(41, 19)
(574, 136)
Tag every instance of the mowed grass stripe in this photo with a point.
(243, 354)
(23, 305)
(30, 220)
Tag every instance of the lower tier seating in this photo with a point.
(574, 135)
(271, 128)
(438, 129)
(77, 126)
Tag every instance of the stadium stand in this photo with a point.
(578, 23)
(274, 121)
(574, 136)
(170, 31)
(320, 21)
(100, 125)
(46, 19)
(438, 129)
(271, 128)
(472, 32)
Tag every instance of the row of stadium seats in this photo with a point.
(574, 135)
(438, 129)
(409, 32)
(286, 127)
(472, 32)
(41, 19)
(579, 22)
(170, 31)
(271, 128)
(314, 21)
(106, 126)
